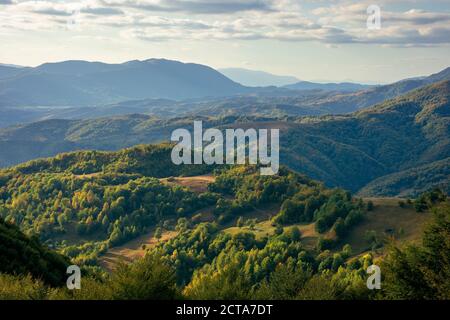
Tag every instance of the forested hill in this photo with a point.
(411, 181)
(22, 255)
(86, 202)
(144, 160)
(399, 134)
(348, 151)
(257, 229)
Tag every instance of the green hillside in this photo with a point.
(411, 182)
(351, 151)
(258, 230)
(86, 202)
(83, 202)
(348, 151)
(22, 255)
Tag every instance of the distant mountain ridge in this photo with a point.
(8, 71)
(80, 83)
(165, 88)
(342, 86)
(351, 102)
(254, 78)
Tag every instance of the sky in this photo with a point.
(311, 40)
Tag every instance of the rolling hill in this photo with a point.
(350, 151)
(411, 182)
(351, 102)
(98, 208)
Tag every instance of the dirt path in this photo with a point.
(133, 249)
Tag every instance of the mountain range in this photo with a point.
(166, 89)
(254, 78)
(343, 86)
(82, 83)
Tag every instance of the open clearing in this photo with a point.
(133, 249)
(389, 221)
(197, 184)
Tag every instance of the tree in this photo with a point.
(158, 233)
(422, 272)
(293, 233)
(278, 230)
(319, 287)
(229, 283)
(146, 279)
(285, 283)
(240, 222)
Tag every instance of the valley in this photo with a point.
(364, 177)
(396, 148)
(195, 157)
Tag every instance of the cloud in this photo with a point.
(418, 17)
(331, 23)
(6, 2)
(409, 28)
(195, 6)
(428, 36)
(102, 11)
(52, 12)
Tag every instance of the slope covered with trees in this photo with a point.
(83, 203)
(22, 255)
(203, 262)
(86, 201)
(351, 151)
(411, 182)
(348, 151)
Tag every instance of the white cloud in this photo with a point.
(195, 6)
(340, 22)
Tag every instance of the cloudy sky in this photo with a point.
(313, 40)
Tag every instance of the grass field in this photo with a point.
(133, 249)
(197, 184)
(387, 221)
